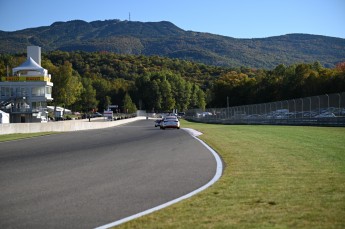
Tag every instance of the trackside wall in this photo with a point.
(62, 126)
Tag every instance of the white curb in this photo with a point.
(216, 177)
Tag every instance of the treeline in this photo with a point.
(85, 81)
(250, 86)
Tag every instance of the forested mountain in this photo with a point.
(166, 39)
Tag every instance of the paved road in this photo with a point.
(90, 178)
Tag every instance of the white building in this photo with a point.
(25, 94)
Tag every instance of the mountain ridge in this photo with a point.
(166, 39)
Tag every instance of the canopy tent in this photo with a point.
(51, 109)
(29, 65)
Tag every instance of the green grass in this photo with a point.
(11, 137)
(274, 177)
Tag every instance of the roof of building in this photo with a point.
(29, 65)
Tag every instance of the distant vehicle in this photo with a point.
(203, 114)
(181, 114)
(96, 114)
(325, 115)
(170, 122)
(158, 122)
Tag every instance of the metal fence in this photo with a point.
(322, 110)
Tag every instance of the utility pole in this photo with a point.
(227, 105)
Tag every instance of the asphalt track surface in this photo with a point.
(91, 178)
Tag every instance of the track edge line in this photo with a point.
(216, 177)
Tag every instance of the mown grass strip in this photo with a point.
(275, 177)
(11, 137)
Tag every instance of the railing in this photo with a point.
(323, 110)
(23, 95)
(25, 110)
(25, 78)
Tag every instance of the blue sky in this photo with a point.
(239, 19)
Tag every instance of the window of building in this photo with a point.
(18, 92)
(37, 91)
(48, 90)
(6, 92)
(39, 106)
(23, 91)
(2, 91)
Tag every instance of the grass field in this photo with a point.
(11, 137)
(274, 177)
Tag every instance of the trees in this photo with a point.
(234, 85)
(128, 105)
(201, 103)
(87, 99)
(148, 93)
(67, 85)
(168, 101)
(102, 90)
(88, 80)
(181, 90)
(142, 77)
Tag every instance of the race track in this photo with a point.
(90, 178)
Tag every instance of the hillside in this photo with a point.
(166, 39)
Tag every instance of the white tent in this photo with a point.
(60, 109)
(29, 65)
(4, 117)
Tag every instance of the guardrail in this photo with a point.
(322, 110)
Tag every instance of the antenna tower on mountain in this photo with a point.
(129, 16)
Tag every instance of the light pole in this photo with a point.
(227, 105)
(270, 107)
(339, 102)
(302, 107)
(288, 108)
(309, 107)
(294, 102)
(265, 109)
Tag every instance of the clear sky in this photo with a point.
(234, 18)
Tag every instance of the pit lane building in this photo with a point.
(24, 94)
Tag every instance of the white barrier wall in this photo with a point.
(62, 126)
